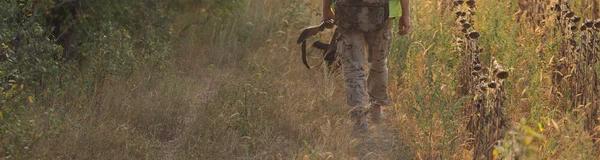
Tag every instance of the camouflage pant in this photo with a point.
(351, 49)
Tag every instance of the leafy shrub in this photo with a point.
(113, 39)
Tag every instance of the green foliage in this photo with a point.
(26, 65)
(519, 144)
(114, 38)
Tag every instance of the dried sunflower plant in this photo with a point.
(575, 72)
(486, 121)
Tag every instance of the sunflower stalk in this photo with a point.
(576, 71)
(485, 118)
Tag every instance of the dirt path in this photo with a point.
(381, 142)
(196, 96)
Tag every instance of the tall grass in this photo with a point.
(235, 88)
(279, 109)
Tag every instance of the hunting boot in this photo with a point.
(359, 117)
(376, 113)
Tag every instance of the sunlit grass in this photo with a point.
(236, 89)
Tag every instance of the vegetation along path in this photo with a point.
(224, 79)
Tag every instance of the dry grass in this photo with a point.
(236, 89)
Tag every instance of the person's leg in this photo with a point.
(379, 44)
(351, 51)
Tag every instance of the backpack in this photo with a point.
(361, 15)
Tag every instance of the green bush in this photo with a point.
(114, 38)
(26, 65)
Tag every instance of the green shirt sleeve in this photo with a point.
(395, 8)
